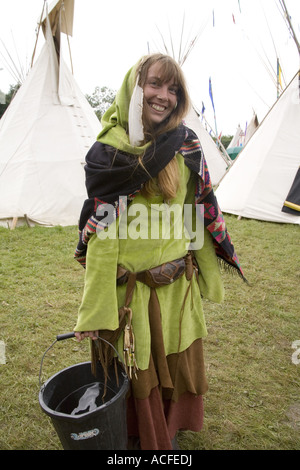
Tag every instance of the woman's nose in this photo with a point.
(163, 93)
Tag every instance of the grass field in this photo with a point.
(253, 401)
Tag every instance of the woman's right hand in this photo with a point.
(80, 335)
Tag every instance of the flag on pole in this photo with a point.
(212, 102)
(211, 94)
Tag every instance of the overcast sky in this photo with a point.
(237, 45)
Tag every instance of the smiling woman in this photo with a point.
(143, 294)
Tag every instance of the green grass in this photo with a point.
(253, 401)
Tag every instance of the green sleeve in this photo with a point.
(99, 306)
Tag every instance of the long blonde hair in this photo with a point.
(168, 179)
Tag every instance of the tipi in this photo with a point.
(238, 138)
(241, 137)
(261, 177)
(44, 137)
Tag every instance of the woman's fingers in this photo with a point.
(86, 334)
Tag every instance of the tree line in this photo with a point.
(8, 98)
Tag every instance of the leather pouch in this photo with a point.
(162, 275)
(159, 276)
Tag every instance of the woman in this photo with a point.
(146, 265)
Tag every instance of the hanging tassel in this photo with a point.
(129, 356)
(135, 123)
(104, 354)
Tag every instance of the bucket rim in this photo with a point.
(53, 413)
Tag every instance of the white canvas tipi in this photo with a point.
(44, 137)
(241, 138)
(238, 138)
(262, 175)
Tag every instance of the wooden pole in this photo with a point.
(37, 34)
(14, 223)
(290, 25)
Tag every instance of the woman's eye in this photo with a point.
(173, 91)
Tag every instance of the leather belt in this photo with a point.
(161, 275)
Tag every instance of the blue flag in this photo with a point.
(210, 94)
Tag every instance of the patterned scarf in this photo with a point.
(112, 175)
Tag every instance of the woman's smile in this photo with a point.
(157, 107)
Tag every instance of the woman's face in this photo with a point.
(160, 98)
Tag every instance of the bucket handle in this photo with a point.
(72, 335)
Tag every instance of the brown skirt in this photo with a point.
(167, 396)
(155, 421)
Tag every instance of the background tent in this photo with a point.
(233, 152)
(261, 177)
(236, 143)
(44, 137)
(240, 138)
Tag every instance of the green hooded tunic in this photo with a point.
(137, 251)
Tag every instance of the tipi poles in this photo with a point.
(288, 19)
(37, 34)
